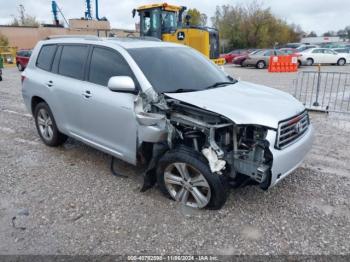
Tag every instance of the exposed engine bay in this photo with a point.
(231, 150)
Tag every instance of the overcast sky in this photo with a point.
(317, 15)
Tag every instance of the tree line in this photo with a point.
(249, 26)
(342, 33)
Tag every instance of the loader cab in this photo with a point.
(159, 19)
(165, 22)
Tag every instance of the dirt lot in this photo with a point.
(66, 201)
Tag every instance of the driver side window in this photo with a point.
(106, 63)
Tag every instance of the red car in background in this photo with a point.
(22, 59)
(231, 55)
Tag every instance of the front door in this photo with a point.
(108, 117)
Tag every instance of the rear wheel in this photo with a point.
(185, 176)
(46, 126)
(341, 62)
(309, 61)
(260, 64)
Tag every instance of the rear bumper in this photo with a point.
(285, 161)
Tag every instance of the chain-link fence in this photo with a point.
(323, 91)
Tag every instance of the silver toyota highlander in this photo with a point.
(167, 108)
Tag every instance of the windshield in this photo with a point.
(177, 69)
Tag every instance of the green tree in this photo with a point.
(197, 18)
(3, 40)
(329, 34)
(252, 26)
(312, 34)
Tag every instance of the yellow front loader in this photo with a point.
(165, 22)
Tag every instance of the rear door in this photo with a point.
(108, 118)
(66, 83)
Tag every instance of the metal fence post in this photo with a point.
(318, 85)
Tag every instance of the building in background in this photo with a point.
(26, 37)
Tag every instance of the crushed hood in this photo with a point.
(245, 103)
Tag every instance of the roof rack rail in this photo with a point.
(87, 37)
(146, 38)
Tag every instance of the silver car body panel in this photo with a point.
(80, 117)
(287, 160)
(245, 103)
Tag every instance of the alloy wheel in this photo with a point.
(261, 65)
(45, 124)
(187, 185)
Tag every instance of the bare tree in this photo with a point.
(24, 19)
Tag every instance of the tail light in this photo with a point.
(22, 78)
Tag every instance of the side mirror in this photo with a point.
(121, 84)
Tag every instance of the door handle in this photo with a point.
(49, 83)
(87, 94)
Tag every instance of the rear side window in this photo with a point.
(45, 57)
(318, 51)
(72, 61)
(106, 63)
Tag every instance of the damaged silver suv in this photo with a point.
(165, 107)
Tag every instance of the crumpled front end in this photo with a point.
(240, 152)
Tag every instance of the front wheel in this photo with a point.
(185, 176)
(341, 62)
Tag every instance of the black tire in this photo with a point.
(20, 67)
(260, 64)
(299, 63)
(0, 78)
(57, 137)
(341, 62)
(196, 160)
(309, 61)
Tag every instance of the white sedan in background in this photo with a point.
(344, 51)
(322, 56)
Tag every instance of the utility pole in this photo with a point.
(21, 12)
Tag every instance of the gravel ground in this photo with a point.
(65, 200)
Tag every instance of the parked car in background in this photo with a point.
(292, 45)
(321, 56)
(238, 60)
(305, 47)
(344, 51)
(332, 45)
(231, 55)
(22, 59)
(260, 59)
(289, 51)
